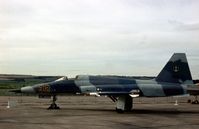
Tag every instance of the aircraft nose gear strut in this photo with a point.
(54, 105)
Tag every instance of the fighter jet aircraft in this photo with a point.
(173, 80)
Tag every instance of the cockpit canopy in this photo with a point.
(61, 79)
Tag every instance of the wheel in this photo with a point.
(54, 106)
(189, 101)
(119, 110)
(195, 102)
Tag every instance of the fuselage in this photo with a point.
(110, 85)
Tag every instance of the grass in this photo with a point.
(17, 83)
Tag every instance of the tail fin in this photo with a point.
(176, 70)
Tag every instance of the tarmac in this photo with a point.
(87, 112)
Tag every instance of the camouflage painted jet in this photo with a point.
(173, 80)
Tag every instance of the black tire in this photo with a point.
(53, 106)
(195, 102)
(189, 101)
(119, 110)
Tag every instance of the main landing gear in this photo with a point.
(54, 105)
(124, 103)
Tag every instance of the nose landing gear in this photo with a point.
(54, 105)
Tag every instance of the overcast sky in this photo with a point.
(117, 37)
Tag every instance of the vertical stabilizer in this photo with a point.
(176, 70)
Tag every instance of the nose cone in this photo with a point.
(27, 89)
